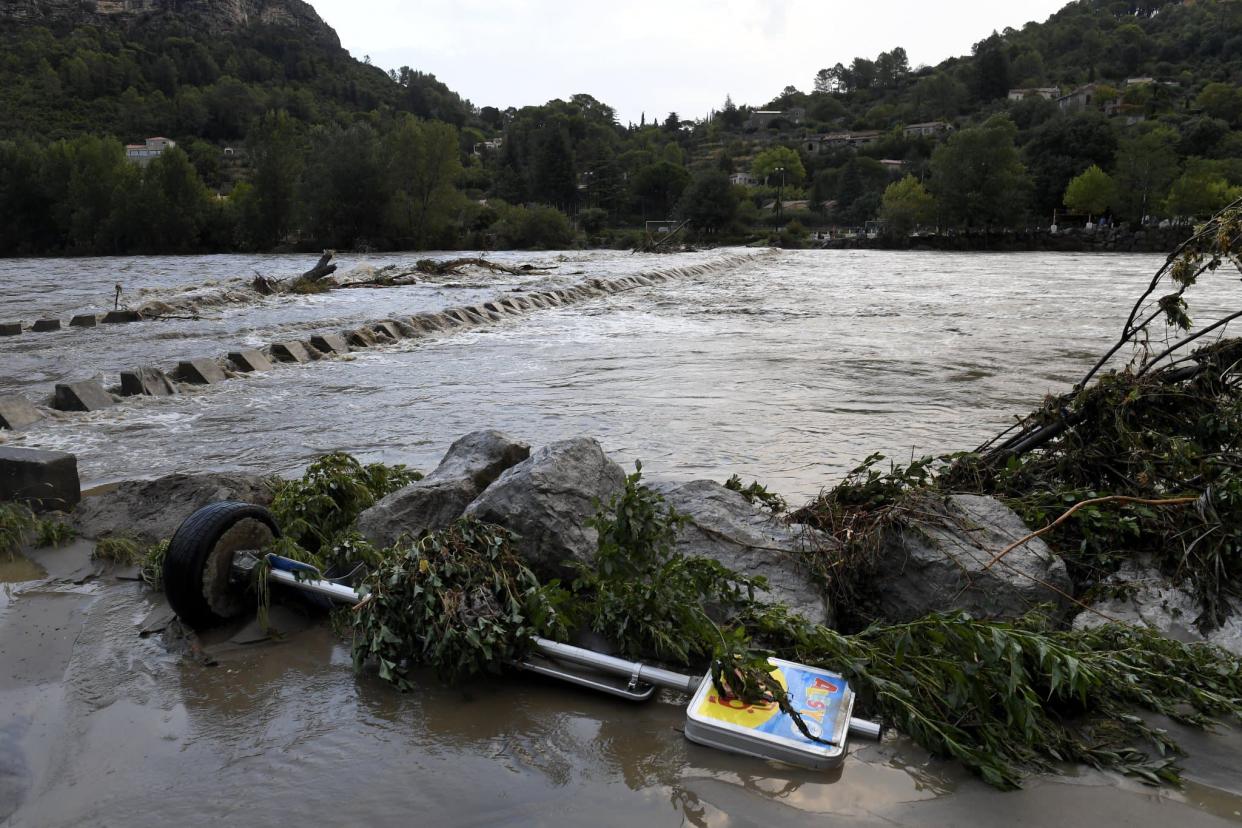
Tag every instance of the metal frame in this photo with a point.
(641, 679)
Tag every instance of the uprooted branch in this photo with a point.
(1216, 243)
(322, 268)
(453, 267)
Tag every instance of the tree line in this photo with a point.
(324, 150)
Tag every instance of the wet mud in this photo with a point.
(105, 725)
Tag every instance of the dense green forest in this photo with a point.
(1132, 111)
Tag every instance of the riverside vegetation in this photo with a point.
(1140, 463)
(284, 139)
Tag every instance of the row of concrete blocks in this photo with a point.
(17, 412)
(82, 320)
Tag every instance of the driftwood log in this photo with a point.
(322, 268)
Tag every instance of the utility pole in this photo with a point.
(780, 205)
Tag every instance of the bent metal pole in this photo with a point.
(634, 670)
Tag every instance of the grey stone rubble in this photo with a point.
(44, 480)
(930, 562)
(547, 498)
(937, 561)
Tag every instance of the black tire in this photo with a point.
(191, 548)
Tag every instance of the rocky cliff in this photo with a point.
(216, 16)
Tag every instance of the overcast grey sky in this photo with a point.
(655, 56)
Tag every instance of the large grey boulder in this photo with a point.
(480, 457)
(724, 526)
(937, 562)
(547, 500)
(1142, 597)
(422, 506)
(471, 464)
(151, 510)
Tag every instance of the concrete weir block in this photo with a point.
(87, 395)
(330, 343)
(488, 313)
(119, 317)
(290, 352)
(46, 325)
(17, 412)
(360, 338)
(146, 382)
(84, 320)
(388, 328)
(200, 371)
(249, 360)
(428, 322)
(10, 328)
(44, 480)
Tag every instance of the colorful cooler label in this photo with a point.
(815, 694)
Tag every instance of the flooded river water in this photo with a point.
(788, 368)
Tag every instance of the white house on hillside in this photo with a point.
(142, 154)
(928, 129)
(1048, 93)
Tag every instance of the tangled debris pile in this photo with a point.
(1004, 698)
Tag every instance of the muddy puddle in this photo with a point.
(101, 725)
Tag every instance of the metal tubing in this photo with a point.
(864, 729)
(337, 592)
(563, 652)
(618, 666)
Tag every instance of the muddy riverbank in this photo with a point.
(103, 726)
(788, 371)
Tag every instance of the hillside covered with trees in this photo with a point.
(1132, 111)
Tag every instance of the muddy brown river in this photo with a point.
(789, 368)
